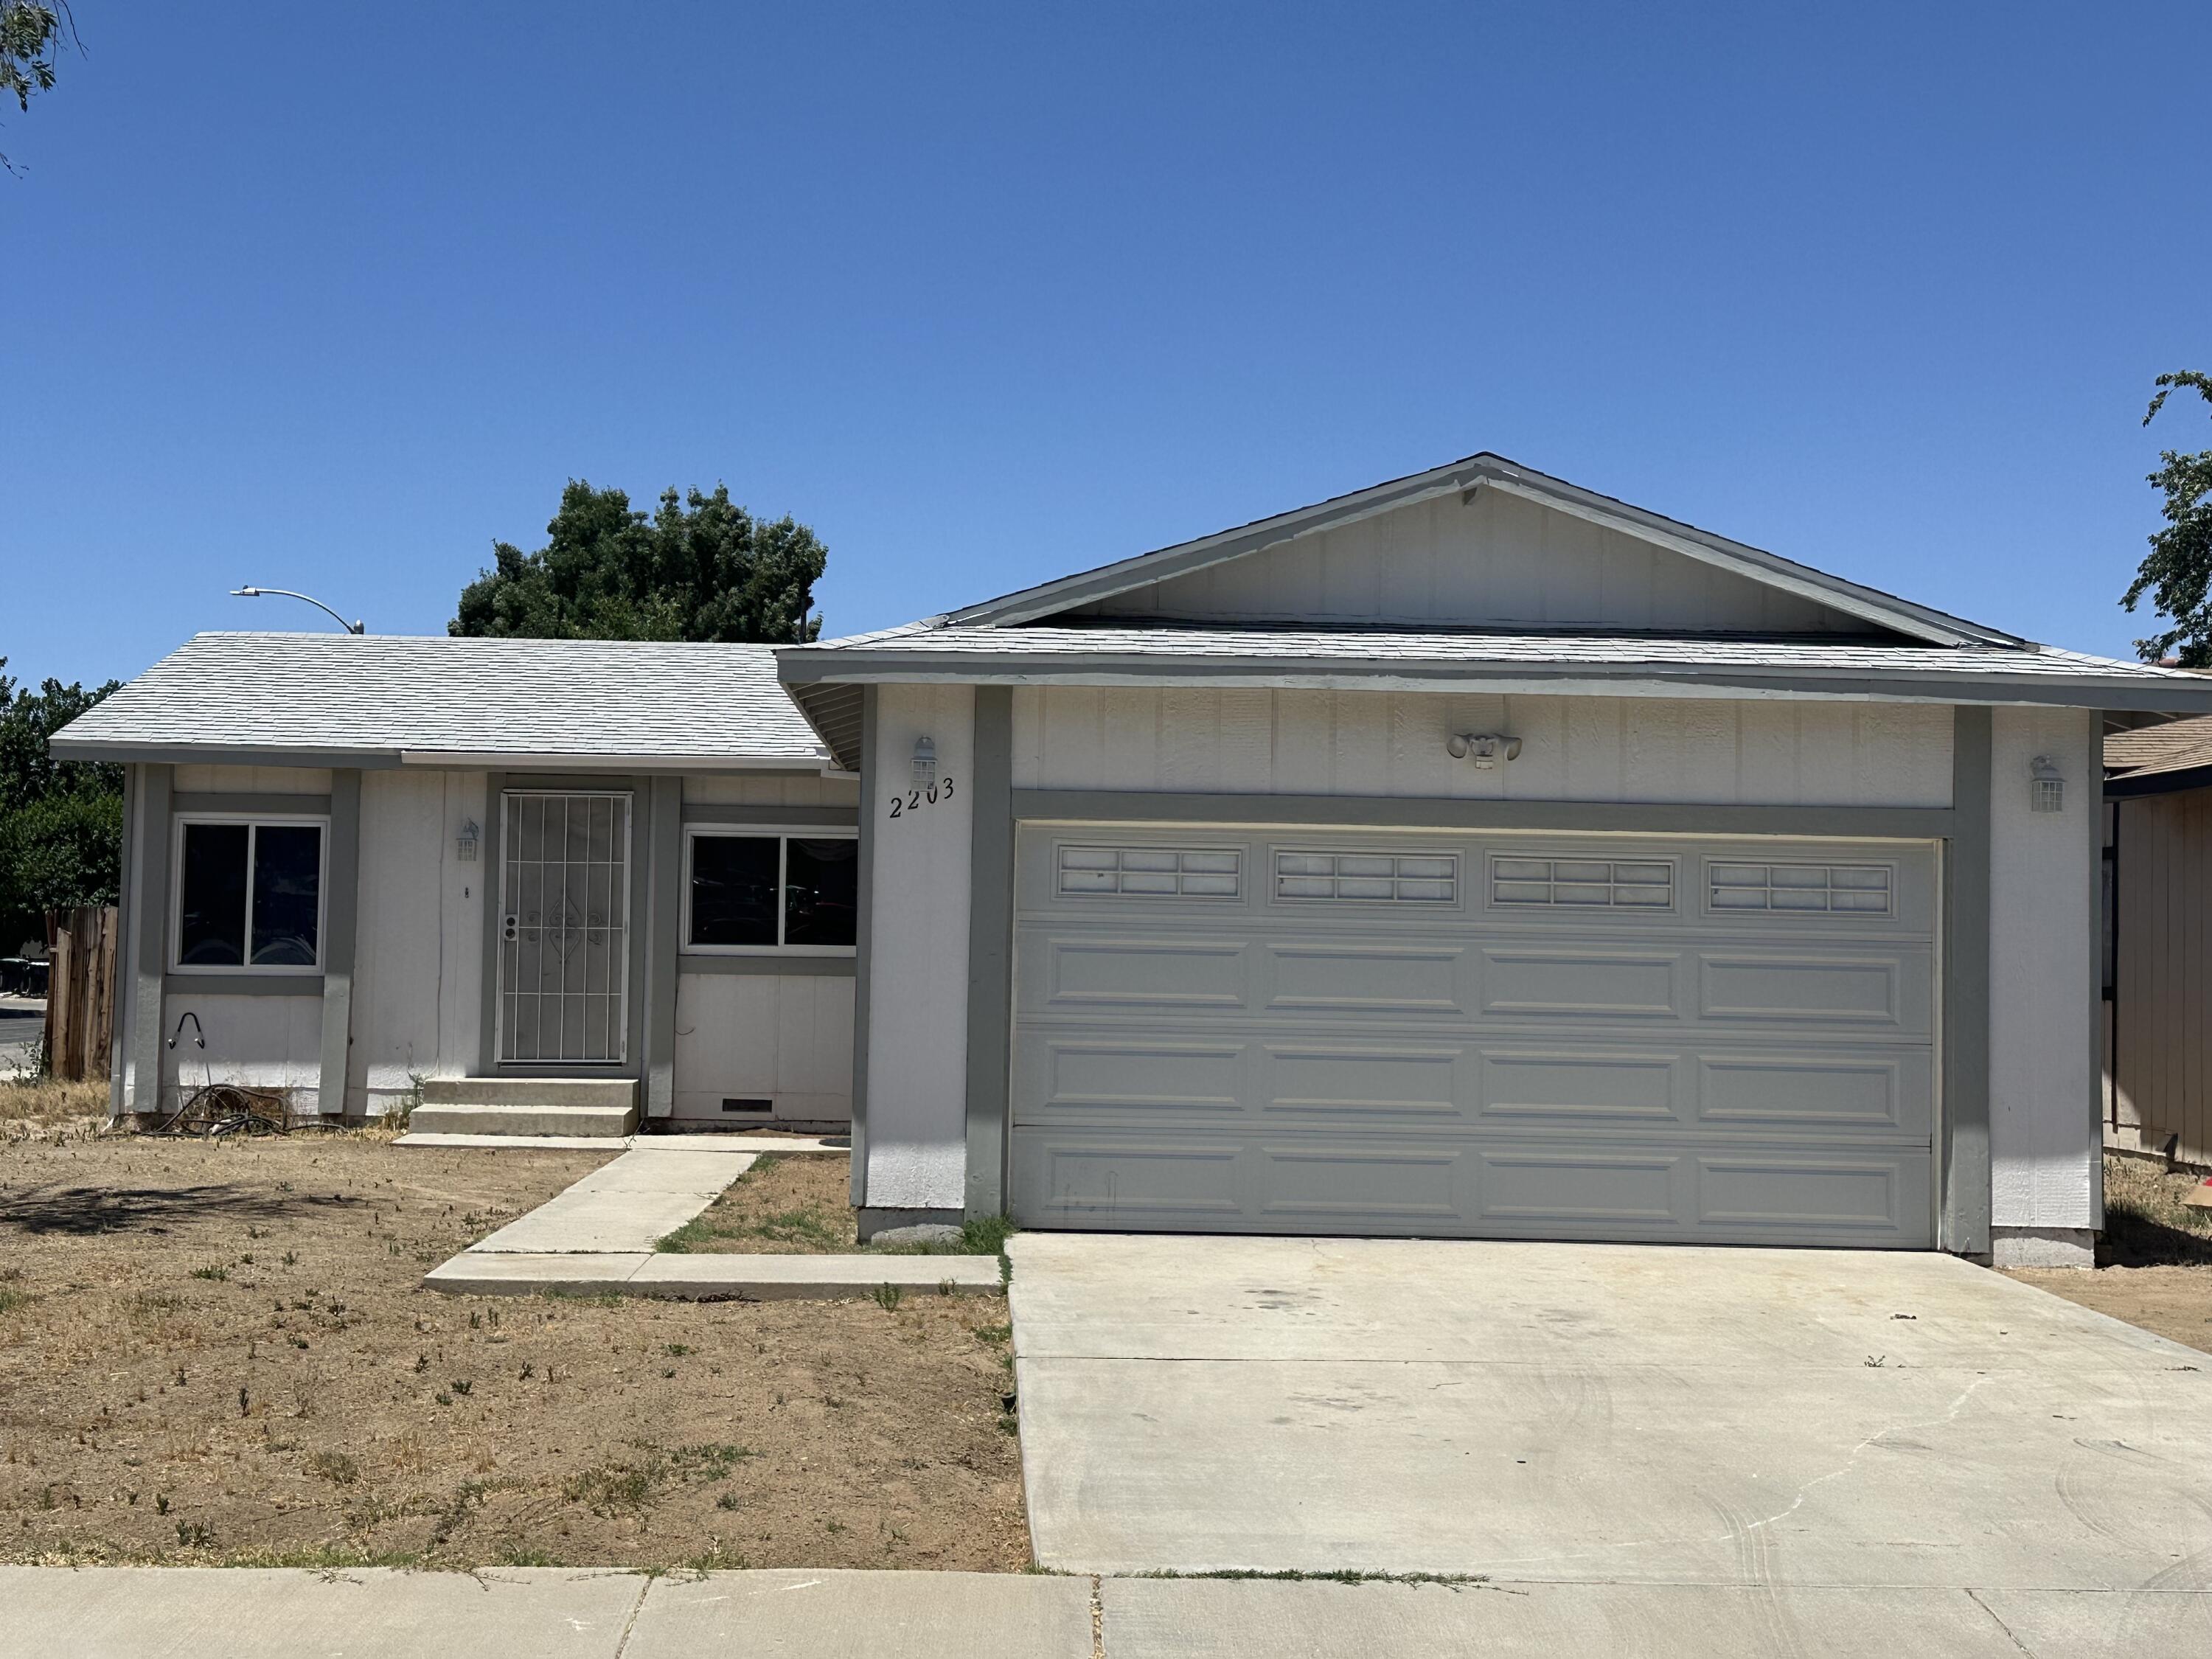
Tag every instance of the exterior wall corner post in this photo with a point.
(990, 952)
(341, 929)
(1965, 1145)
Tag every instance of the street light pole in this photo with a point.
(287, 593)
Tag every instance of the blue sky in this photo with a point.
(331, 297)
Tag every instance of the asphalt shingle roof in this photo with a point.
(385, 695)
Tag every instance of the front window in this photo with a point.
(249, 895)
(756, 892)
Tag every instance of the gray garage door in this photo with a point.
(1220, 1029)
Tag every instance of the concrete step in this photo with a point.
(530, 1092)
(610, 1122)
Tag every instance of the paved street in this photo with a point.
(20, 1021)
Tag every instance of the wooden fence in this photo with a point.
(81, 992)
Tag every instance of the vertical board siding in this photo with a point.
(786, 1037)
(1495, 558)
(2162, 1041)
(1392, 744)
(770, 789)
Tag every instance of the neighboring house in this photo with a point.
(2158, 974)
(1471, 855)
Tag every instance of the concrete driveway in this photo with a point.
(1604, 1415)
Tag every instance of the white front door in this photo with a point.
(564, 928)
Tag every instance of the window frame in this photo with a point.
(253, 821)
(782, 835)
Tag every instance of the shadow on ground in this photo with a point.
(85, 1212)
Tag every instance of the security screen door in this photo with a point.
(564, 928)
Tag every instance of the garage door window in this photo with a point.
(750, 894)
(1598, 883)
(1827, 889)
(1154, 872)
(1369, 878)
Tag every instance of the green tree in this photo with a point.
(2177, 572)
(30, 34)
(61, 822)
(700, 568)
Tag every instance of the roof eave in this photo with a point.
(1627, 678)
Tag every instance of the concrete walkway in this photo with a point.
(598, 1237)
(1778, 1421)
(370, 1613)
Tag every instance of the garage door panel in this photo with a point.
(1090, 973)
(1567, 983)
(1363, 1081)
(1366, 977)
(1568, 1190)
(1091, 1181)
(1868, 990)
(1704, 1039)
(1889, 1092)
(1578, 1085)
(1147, 1076)
(1331, 1187)
(1785, 1195)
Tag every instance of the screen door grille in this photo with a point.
(564, 928)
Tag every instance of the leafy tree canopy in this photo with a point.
(2177, 573)
(30, 34)
(699, 567)
(61, 822)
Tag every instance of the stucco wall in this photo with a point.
(2043, 1129)
(918, 970)
(1772, 752)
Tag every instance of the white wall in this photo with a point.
(252, 780)
(917, 1107)
(786, 1037)
(1495, 558)
(2043, 1133)
(263, 1041)
(417, 989)
(1772, 752)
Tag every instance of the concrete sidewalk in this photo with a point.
(156, 1612)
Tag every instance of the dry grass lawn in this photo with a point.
(2155, 1260)
(221, 1353)
(800, 1204)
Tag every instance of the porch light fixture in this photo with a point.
(464, 844)
(925, 764)
(1486, 749)
(2047, 788)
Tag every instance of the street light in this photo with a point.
(287, 593)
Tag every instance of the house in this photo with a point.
(1473, 854)
(2157, 852)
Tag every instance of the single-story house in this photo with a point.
(2158, 875)
(1470, 855)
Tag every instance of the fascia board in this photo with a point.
(1582, 679)
(120, 750)
(540, 760)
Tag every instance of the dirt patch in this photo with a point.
(2154, 1259)
(221, 1352)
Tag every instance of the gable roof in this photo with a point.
(387, 699)
(1483, 472)
(2157, 760)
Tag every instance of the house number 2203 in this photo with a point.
(906, 805)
